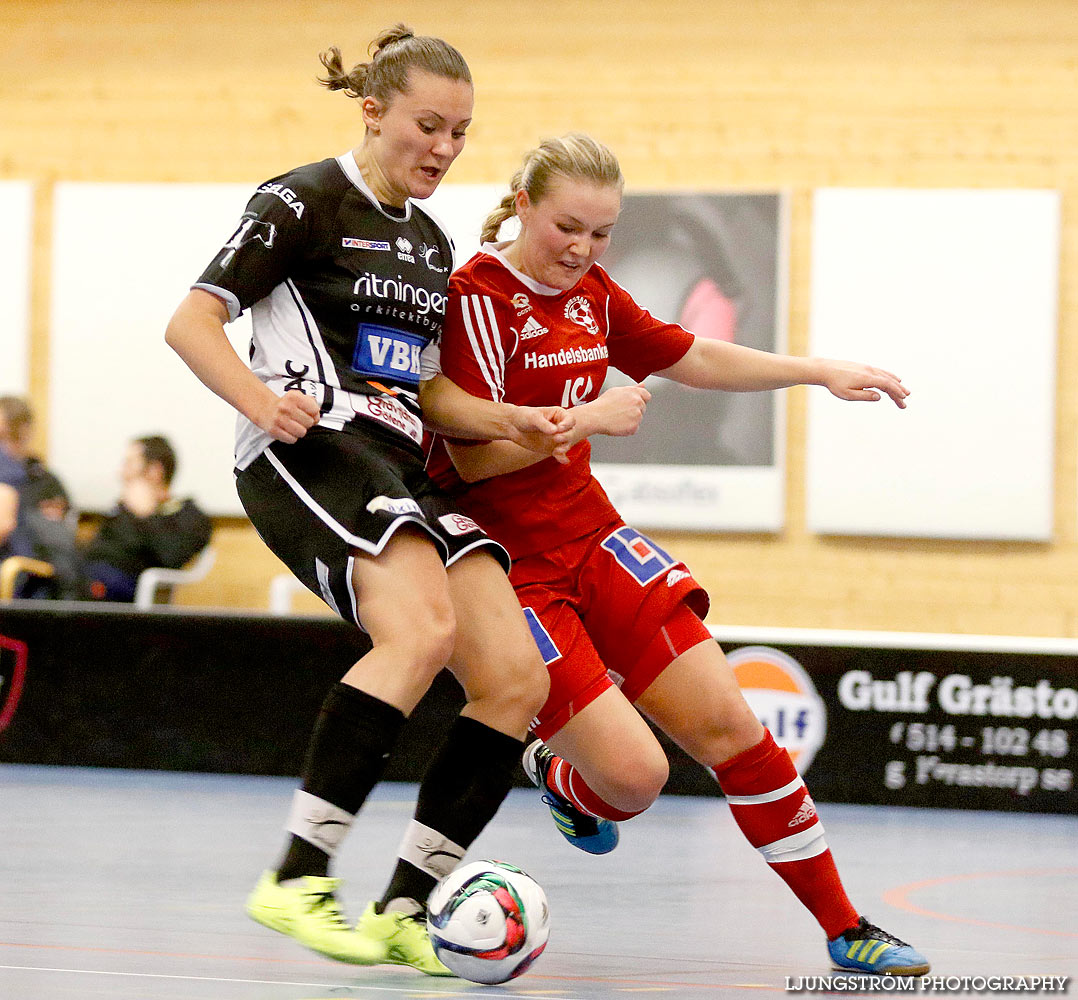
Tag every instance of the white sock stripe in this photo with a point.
(429, 850)
(575, 800)
(806, 844)
(556, 776)
(317, 821)
(778, 793)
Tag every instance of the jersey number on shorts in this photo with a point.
(640, 557)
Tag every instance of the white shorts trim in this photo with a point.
(339, 529)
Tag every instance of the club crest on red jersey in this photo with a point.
(578, 311)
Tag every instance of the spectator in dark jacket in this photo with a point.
(148, 527)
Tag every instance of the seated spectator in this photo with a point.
(42, 489)
(10, 542)
(14, 532)
(46, 527)
(149, 527)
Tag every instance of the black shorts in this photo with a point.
(315, 502)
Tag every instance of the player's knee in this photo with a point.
(638, 784)
(528, 686)
(517, 689)
(428, 640)
(717, 740)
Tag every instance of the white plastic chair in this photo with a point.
(151, 579)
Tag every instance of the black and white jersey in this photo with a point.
(345, 295)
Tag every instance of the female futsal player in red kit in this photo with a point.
(536, 321)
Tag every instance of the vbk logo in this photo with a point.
(388, 353)
(782, 696)
(251, 227)
(12, 675)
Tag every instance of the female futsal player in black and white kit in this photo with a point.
(346, 277)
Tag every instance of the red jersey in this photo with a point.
(511, 339)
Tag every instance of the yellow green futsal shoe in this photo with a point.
(400, 939)
(307, 910)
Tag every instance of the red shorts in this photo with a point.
(596, 607)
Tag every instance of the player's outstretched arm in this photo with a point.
(714, 364)
(850, 380)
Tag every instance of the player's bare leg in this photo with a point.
(498, 664)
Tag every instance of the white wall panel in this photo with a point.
(124, 256)
(955, 291)
(17, 197)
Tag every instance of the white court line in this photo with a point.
(487, 991)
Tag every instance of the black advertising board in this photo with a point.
(182, 690)
(873, 718)
(941, 727)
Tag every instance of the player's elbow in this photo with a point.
(472, 471)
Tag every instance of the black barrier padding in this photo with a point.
(112, 687)
(108, 686)
(176, 689)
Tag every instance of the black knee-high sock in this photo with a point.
(466, 783)
(345, 759)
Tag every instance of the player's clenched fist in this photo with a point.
(621, 409)
(545, 429)
(291, 416)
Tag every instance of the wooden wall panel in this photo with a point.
(790, 94)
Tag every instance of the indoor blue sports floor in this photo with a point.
(130, 884)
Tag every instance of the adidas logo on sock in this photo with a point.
(805, 814)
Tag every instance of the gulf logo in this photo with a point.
(783, 698)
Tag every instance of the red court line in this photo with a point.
(898, 897)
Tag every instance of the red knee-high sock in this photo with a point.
(563, 779)
(772, 806)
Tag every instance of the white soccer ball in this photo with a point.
(488, 921)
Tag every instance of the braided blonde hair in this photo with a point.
(576, 155)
